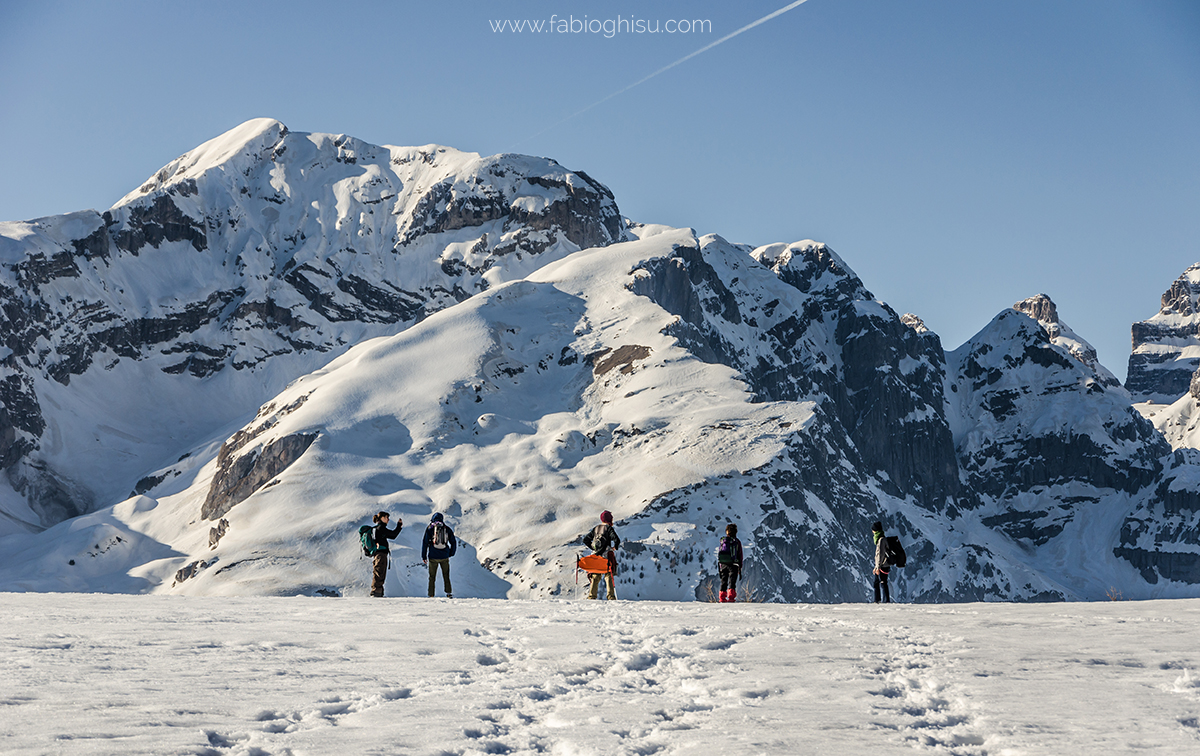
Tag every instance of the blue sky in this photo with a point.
(959, 155)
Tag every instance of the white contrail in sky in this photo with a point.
(669, 66)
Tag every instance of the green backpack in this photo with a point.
(369, 547)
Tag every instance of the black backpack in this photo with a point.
(894, 552)
(600, 538)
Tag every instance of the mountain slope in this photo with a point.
(1052, 446)
(245, 263)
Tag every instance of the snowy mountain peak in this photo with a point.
(813, 268)
(1166, 347)
(1182, 297)
(236, 147)
(241, 265)
(1043, 436)
(1042, 309)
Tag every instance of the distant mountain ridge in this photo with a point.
(324, 328)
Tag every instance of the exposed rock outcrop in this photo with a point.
(216, 534)
(1161, 537)
(1165, 346)
(238, 476)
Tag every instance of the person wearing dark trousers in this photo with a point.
(729, 564)
(381, 534)
(437, 547)
(881, 563)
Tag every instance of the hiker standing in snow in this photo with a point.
(437, 547)
(381, 534)
(604, 541)
(729, 564)
(881, 562)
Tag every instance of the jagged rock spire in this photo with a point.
(1039, 307)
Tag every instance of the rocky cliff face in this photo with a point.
(243, 264)
(882, 374)
(838, 344)
(1161, 537)
(1166, 347)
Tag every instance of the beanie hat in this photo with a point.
(878, 527)
(437, 517)
(606, 516)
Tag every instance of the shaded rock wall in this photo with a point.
(1159, 370)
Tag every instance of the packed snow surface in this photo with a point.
(102, 674)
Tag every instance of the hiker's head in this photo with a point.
(381, 517)
(877, 527)
(437, 517)
(731, 529)
(606, 517)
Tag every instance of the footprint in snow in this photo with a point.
(719, 645)
(920, 708)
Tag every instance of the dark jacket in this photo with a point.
(602, 538)
(734, 556)
(381, 534)
(427, 549)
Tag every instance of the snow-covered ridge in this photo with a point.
(239, 266)
(235, 150)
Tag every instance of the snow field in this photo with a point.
(101, 674)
